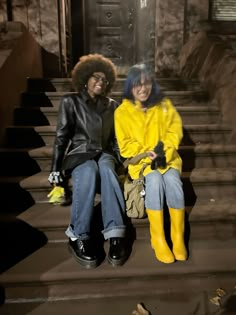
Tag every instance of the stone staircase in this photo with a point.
(37, 273)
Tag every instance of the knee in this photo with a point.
(106, 169)
(86, 170)
(153, 179)
(174, 183)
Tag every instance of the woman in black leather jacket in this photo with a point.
(85, 146)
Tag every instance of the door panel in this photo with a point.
(124, 31)
(108, 30)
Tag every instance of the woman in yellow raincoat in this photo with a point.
(148, 122)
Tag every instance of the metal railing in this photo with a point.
(64, 36)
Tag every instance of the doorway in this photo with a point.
(123, 31)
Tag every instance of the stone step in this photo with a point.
(37, 136)
(205, 221)
(40, 116)
(32, 161)
(64, 84)
(194, 297)
(49, 99)
(200, 155)
(202, 184)
(50, 272)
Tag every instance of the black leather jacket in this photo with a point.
(84, 130)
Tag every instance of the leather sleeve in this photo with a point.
(64, 132)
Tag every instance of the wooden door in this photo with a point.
(121, 30)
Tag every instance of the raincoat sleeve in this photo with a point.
(128, 146)
(174, 132)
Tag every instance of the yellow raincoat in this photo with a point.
(138, 130)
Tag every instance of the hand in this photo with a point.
(152, 155)
(55, 178)
(140, 310)
(158, 162)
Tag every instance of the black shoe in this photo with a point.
(117, 253)
(83, 252)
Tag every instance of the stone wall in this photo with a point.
(20, 57)
(211, 58)
(176, 21)
(41, 20)
(169, 35)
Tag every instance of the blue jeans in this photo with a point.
(159, 186)
(86, 178)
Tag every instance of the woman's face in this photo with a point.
(142, 91)
(97, 84)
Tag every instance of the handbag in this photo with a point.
(134, 191)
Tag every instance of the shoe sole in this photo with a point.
(85, 263)
(116, 262)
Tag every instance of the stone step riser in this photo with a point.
(36, 85)
(42, 117)
(199, 231)
(200, 190)
(44, 100)
(204, 161)
(29, 137)
(31, 163)
(129, 288)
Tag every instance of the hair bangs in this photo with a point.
(136, 76)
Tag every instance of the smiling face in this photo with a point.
(97, 84)
(142, 90)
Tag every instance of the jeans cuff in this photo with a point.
(117, 231)
(69, 232)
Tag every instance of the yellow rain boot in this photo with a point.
(177, 233)
(158, 240)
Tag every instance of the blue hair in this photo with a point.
(134, 76)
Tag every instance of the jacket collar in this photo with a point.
(99, 105)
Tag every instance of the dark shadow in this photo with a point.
(9, 10)
(187, 140)
(18, 163)
(2, 295)
(17, 241)
(50, 64)
(189, 194)
(77, 24)
(35, 99)
(187, 153)
(188, 157)
(130, 235)
(96, 234)
(18, 137)
(40, 85)
(14, 199)
(229, 305)
(29, 117)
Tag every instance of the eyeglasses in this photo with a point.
(98, 78)
(139, 85)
